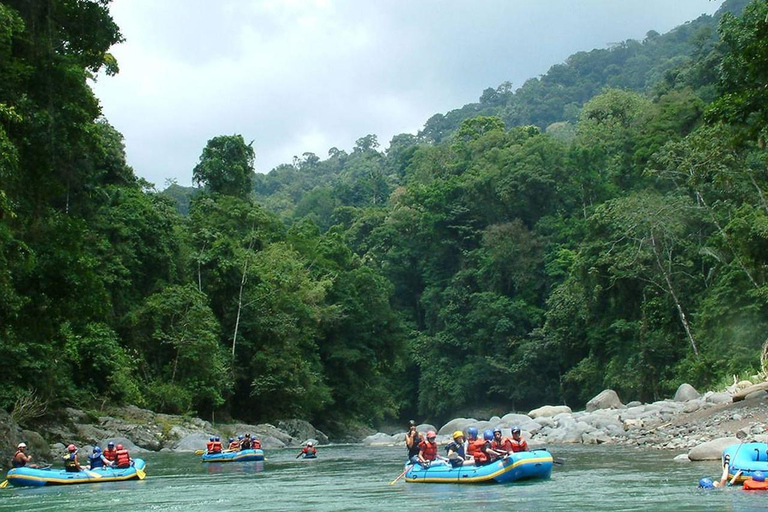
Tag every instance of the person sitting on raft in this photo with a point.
(428, 450)
(96, 459)
(233, 445)
(209, 445)
(245, 444)
(110, 453)
(412, 441)
(308, 451)
(487, 447)
(518, 443)
(217, 445)
(475, 447)
(500, 444)
(122, 458)
(71, 464)
(456, 451)
(21, 459)
(255, 443)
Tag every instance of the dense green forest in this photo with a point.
(604, 225)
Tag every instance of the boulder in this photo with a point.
(741, 395)
(712, 450)
(379, 439)
(37, 446)
(190, 443)
(569, 434)
(686, 392)
(127, 444)
(719, 398)
(692, 406)
(683, 457)
(456, 424)
(606, 399)
(760, 394)
(595, 437)
(549, 410)
(302, 430)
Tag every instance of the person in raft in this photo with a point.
(308, 451)
(500, 444)
(233, 445)
(707, 483)
(255, 443)
(122, 458)
(21, 459)
(518, 443)
(475, 447)
(412, 441)
(456, 450)
(245, 444)
(71, 464)
(110, 453)
(487, 448)
(96, 459)
(428, 450)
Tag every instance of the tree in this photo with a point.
(226, 166)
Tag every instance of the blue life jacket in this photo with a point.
(96, 461)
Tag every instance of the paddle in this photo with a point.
(140, 473)
(393, 482)
(4, 484)
(200, 452)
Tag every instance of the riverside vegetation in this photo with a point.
(603, 226)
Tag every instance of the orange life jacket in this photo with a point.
(256, 444)
(209, 446)
(428, 450)
(234, 445)
(311, 450)
(123, 459)
(110, 454)
(475, 449)
(519, 445)
(754, 485)
(216, 447)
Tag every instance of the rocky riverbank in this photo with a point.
(140, 430)
(695, 426)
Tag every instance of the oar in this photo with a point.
(140, 473)
(393, 482)
(4, 484)
(558, 462)
(92, 474)
(199, 452)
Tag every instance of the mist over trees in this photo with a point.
(601, 226)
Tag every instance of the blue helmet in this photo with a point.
(240, 437)
(706, 483)
(217, 439)
(758, 476)
(96, 449)
(472, 432)
(231, 439)
(212, 439)
(488, 435)
(111, 444)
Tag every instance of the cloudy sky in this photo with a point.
(308, 75)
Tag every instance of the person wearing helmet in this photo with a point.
(110, 453)
(309, 451)
(456, 450)
(518, 444)
(21, 459)
(500, 444)
(475, 447)
(216, 445)
(122, 458)
(412, 441)
(209, 444)
(428, 450)
(487, 448)
(245, 444)
(708, 483)
(233, 445)
(96, 459)
(71, 464)
(255, 443)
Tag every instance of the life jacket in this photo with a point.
(456, 447)
(234, 445)
(96, 461)
(17, 462)
(475, 449)
(70, 462)
(256, 444)
(216, 447)
(428, 450)
(754, 485)
(310, 450)
(518, 445)
(110, 454)
(209, 446)
(500, 445)
(123, 459)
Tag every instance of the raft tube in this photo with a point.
(38, 477)
(747, 458)
(309, 456)
(236, 456)
(517, 466)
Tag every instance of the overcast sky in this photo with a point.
(308, 75)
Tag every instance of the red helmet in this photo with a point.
(431, 434)
(72, 448)
(119, 447)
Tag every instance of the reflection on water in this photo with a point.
(354, 477)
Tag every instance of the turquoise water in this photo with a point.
(357, 478)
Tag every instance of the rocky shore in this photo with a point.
(140, 430)
(695, 426)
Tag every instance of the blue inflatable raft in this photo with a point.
(517, 466)
(747, 458)
(38, 477)
(235, 456)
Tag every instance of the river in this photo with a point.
(353, 477)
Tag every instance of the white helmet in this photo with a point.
(22, 445)
(309, 443)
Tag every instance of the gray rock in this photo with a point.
(743, 393)
(719, 398)
(37, 446)
(683, 457)
(571, 434)
(595, 437)
(606, 399)
(712, 450)
(686, 392)
(303, 430)
(549, 410)
(190, 443)
(760, 394)
(692, 406)
(456, 424)
(379, 439)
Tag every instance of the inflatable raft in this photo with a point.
(517, 466)
(236, 456)
(747, 458)
(38, 477)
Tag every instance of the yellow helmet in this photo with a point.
(458, 434)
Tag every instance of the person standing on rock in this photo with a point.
(412, 441)
(21, 459)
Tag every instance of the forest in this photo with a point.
(602, 226)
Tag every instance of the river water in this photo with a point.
(353, 477)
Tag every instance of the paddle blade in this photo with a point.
(141, 474)
(93, 474)
(199, 452)
(4, 484)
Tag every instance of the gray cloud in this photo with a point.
(308, 75)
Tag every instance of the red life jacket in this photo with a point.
(754, 485)
(499, 445)
(428, 450)
(123, 459)
(234, 445)
(109, 454)
(216, 447)
(209, 446)
(518, 445)
(475, 449)
(310, 450)
(256, 444)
